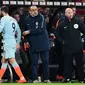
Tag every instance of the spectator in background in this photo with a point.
(68, 34)
(17, 17)
(35, 28)
(23, 14)
(24, 51)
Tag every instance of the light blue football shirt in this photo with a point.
(8, 27)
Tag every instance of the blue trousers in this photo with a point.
(45, 62)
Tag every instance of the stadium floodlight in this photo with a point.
(20, 2)
(27, 2)
(35, 3)
(71, 3)
(63, 3)
(42, 3)
(49, 3)
(56, 3)
(5, 2)
(83, 3)
(13, 3)
(78, 4)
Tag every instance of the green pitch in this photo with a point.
(43, 84)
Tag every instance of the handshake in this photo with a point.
(26, 32)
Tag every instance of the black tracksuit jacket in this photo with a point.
(68, 34)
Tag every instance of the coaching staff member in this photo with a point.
(68, 33)
(35, 27)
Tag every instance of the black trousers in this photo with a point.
(45, 62)
(60, 58)
(68, 65)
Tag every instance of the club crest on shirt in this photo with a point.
(36, 25)
(76, 26)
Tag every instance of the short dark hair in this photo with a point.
(5, 9)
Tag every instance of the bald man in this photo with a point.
(69, 13)
(68, 34)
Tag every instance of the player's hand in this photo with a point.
(18, 46)
(26, 32)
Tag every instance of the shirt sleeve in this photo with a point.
(58, 33)
(82, 27)
(2, 24)
(18, 34)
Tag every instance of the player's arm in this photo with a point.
(1, 24)
(18, 36)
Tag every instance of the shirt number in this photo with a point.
(13, 26)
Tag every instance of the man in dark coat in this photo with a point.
(35, 28)
(68, 34)
(58, 47)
